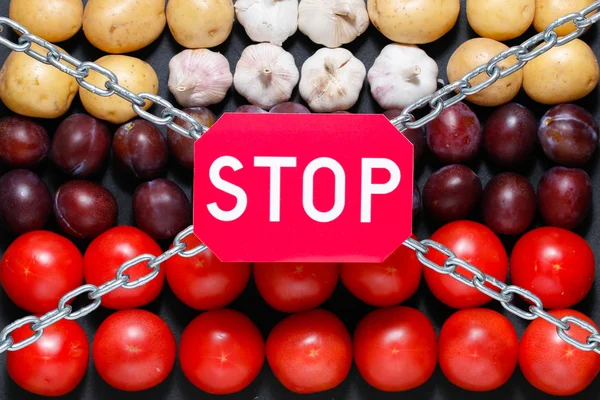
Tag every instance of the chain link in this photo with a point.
(462, 88)
(525, 52)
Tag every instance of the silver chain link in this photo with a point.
(528, 50)
(525, 52)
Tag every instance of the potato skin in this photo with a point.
(547, 11)
(413, 21)
(199, 24)
(563, 74)
(33, 89)
(55, 20)
(500, 19)
(472, 54)
(122, 26)
(133, 74)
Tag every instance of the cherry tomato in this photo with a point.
(479, 349)
(107, 252)
(38, 268)
(55, 364)
(221, 351)
(551, 364)
(134, 350)
(310, 351)
(555, 264)
(395, 348)
(386, 284)
(204, 282)
(476, 244)
(295, 287)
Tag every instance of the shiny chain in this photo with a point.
(528, 50)
(460, 89)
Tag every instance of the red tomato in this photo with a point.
(295, 287)
(476, 244)
(395, 348)
(221, 351)
(55, 364)
(105, 255)
(479, 349)
(134, 350)
(386, 284)
(38, 268)
(204, 282)
(555, 264)
(552, 365)
(310, 352)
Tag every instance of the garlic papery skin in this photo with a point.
(199, 78)
(266, 75)
(332, 80)
(401, 75)
(271, 21)
(333, 23)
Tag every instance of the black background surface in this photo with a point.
(350, 309)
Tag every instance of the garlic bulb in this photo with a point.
(332, 80)
(401, 75)
(333, 23)
(266, 75)
(199, 77)
(270, 21)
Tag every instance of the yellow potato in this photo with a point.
(413, 21)
(122, 26)
(199, 24)
(33, 89)
(547, 11)
(563, 74)
(500, 19)
(53, 20)
(133, 74)
(472, 54)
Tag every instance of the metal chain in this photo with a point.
(460, 89)
(525, 52)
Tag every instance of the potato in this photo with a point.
(200, 23)
(500, 19)
(122, 26)
(563, 74)
(33, 89)
(53, 20)
(547, 11)
(133, 74)
(472, 54)
(413, 21)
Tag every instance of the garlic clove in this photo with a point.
(266, 75)
(199, 78)
(271, 21)
(401, 75)
(332, 80)
(333, 23)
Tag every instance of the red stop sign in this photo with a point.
(303, 188)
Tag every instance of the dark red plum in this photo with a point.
(416, 136)
(23, 142)
(565, 196)
(416, 200)
(84, 209)
(25, 202)
(142, 149)
(455, 136)
(452, 193)
(161, 209)
(509, 204)
(569, 135)
(250, 109)
(289, 108)
(181, 147)
(509, 135)
(80, 145)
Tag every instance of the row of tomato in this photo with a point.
(222, 351)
